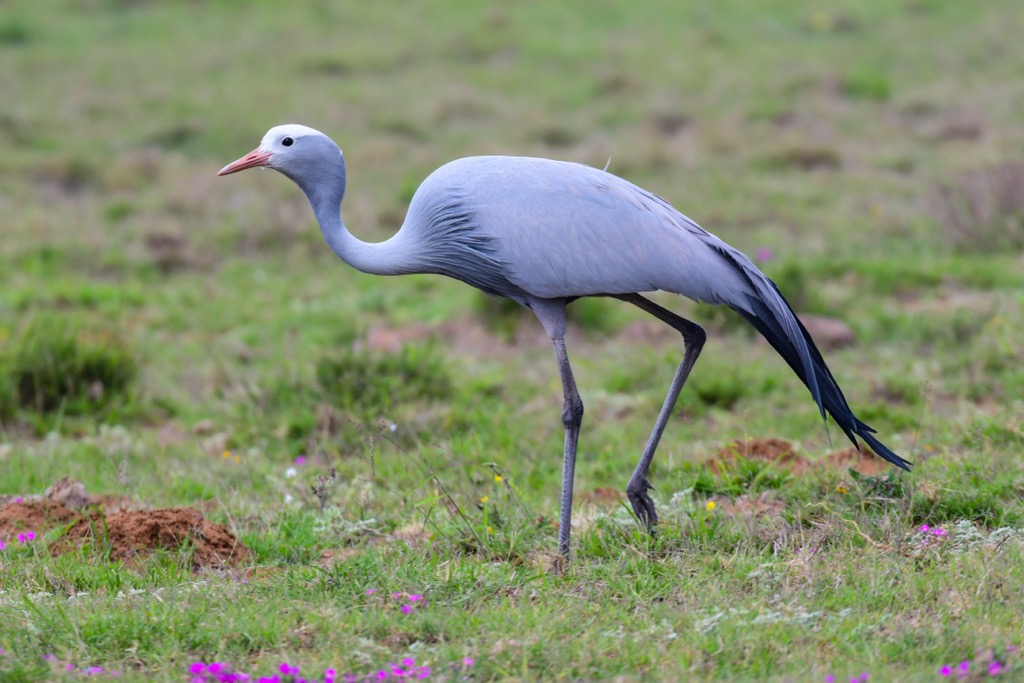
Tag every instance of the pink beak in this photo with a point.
(255, 158)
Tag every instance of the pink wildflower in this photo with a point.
(965, 666)
(197, 668)
(946, 671)
(469, 661)
(371, 591)
(300, 460)
(287, 669)
(994, 668)
(830, 679)
(924, 528)
(406, 609)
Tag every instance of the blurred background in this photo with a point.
(867, 155)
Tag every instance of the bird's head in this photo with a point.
(305, 155)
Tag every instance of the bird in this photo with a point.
(545, 233)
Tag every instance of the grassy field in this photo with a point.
(173, 339)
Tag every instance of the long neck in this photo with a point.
(382, 258)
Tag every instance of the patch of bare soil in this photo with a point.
(783, 453)
(864, 461)
(134, 533)
(36, 516)
(129, 534)
(778, 451)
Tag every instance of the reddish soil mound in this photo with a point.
(778, 451)
(782, 452)
(135, 532)
(130, 534)
(864, 461)
(35, 516)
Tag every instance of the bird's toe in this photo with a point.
(643, 506)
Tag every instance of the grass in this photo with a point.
(866, 153)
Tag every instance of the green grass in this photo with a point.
(869, 150)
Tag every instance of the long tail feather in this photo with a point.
(769, 312)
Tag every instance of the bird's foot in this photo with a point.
(643, 506)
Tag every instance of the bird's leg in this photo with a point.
(694, 337)
(572, 418)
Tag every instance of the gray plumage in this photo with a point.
(545, 233)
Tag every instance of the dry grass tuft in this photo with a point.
(983, 210)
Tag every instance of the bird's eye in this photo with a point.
(287, 142)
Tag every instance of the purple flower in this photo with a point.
(994, 668)
(27, 537)
(406, 609)
(2, 545)
(764, 254)
(371, 591)
(197, 668)
(946, 671)
(19, 499)
(423, 672)
(300, 460)
(415, 598)
(92, 671)
(69, 667)
(1011, 648)
(469, 661)
(830, 679)
(287, 669)
(408, 661)
(349, 678)
(381, 675)
(924, 528)
(965, 666)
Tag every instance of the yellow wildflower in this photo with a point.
(711, 505)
